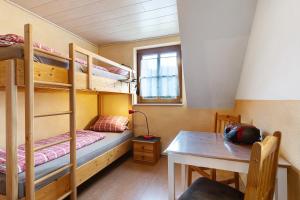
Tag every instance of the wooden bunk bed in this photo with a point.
(87, 80)
(18, 72)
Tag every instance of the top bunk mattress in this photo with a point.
(11, 46)
(16, 51)
(84, 155)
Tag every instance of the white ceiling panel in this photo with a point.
(109, 21)
(114, 21)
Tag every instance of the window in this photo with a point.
(159, 75)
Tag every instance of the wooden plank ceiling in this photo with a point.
(109, 21)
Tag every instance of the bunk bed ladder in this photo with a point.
(29, 120)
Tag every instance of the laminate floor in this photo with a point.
(127, 180)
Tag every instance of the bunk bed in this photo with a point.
(28, 66)
(93, 72)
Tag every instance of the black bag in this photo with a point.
(242, 133)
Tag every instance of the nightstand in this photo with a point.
(146, 151)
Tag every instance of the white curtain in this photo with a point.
(159, 76)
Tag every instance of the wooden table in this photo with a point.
(212, 151)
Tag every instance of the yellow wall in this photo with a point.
(164, 121)
(51, 101)
(282, 115)
(47, 101)
(115, 104)
(12, 20)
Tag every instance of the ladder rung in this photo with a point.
(52, 174)
(65, 195)
(51, 144)
(53, 114)
(52, 84)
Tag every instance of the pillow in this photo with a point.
(12, 38)
(117, 70)
(110, 124)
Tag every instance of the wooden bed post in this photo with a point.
(99, 104)
(11, 132)
(72, 99)
(90, 72)
(29, 111)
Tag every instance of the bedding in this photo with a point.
(83, 138)
(11, 46)
(84, 155)
(110, 124)
(16, 51)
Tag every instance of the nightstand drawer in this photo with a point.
(142, 156)
(143, 147)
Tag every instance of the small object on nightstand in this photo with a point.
(146, 150)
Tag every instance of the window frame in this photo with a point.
(159, 50)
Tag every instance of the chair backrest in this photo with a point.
(222, 120)
(263, 168)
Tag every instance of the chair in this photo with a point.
(261, 177)
(221, 121)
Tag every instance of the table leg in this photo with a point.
(281, 185)
(184, 169)
(171, 177)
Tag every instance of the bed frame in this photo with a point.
(84, 81)
(26, 73)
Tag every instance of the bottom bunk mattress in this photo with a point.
(84, 155)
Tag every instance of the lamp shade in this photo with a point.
(131, 111)
(148, 136)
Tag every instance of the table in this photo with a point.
(211, 150)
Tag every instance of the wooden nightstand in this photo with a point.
(146, 151)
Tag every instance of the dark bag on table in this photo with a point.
(242, 133)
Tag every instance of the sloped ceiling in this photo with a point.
(214, 36)
(109, 21)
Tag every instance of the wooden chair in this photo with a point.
(221, 121)
(261, 177)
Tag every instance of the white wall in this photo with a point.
(214, 37)
(272, 63)
(268, 93)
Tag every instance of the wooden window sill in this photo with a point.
(158, 104)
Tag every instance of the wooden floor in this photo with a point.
(127, 180)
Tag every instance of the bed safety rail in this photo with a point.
(92, 56)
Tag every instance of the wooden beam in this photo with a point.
(90, 72)
(72, 104)
(51, 144)
(29, 111)
(61, 169)
(53, 114)
(51, 84)
(55, 55)
(11, 132)
(99, 104)
(65, 195)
